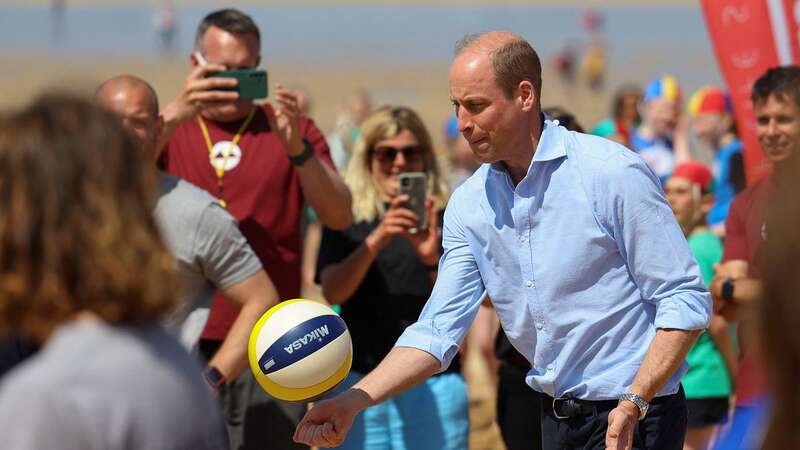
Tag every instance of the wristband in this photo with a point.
(308, 152)
(214, 378)
(727, 290)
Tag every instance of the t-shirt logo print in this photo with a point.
(218, 152)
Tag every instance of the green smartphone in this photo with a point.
(252, 83)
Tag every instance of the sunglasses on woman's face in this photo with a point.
(387, 154)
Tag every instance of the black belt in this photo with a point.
(568, 408)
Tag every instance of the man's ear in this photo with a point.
(527, 95)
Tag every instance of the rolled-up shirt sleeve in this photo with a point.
(455, 299)
(654, 247)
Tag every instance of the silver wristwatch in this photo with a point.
(638, 401)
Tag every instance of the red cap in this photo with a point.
(697, 173)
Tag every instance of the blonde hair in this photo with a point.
(386, 123)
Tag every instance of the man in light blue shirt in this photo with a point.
(572, 239)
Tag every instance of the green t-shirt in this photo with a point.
(707, 376)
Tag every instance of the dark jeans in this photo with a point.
(519, 410)
(664, 427)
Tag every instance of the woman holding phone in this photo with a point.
(381, 271)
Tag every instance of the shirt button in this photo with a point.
(522, 238)
(529, 283)
(539, 325)
(550, 367)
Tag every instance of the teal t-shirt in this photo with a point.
(707, 376)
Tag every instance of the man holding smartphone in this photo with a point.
(262, 164)
(572, 239)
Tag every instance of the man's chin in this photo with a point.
(227, 112)
(778, 155)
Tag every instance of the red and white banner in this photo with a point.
(749, 37)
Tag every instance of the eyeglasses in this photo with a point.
(387, 154)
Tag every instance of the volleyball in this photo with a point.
(299, 350)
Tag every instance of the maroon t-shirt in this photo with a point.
(262, 191)
(745, 232)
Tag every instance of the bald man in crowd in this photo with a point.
(572, 239)
(210, 250)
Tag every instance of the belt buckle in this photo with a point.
(555, 411)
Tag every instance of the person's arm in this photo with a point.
(426, 347)
(322, 187)
(255, 295)
(666, 274)
(327, 423)
(667, 352)
(721, 335)
(746, 292)
(229, 263)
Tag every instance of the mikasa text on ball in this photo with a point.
(299, 350)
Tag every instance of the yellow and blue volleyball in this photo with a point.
(299, 350)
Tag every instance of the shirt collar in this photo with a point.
(551, 145)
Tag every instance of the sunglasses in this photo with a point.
(387, 154)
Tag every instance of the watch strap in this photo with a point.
(214, 378)
(640, 403)
(308, 152)
(727, 290)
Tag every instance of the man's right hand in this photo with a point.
(198, 91)
(327, 423)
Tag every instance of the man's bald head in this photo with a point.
(136, 103)
(512, 58)
(124, 85)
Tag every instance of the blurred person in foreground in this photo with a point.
(661, 138)
(624, 115)
(778, 319)
(592, 280)
(737, 284)
(211, 252)
(712, 121)
(381, 274)
(712, 360)
(84, 272)
(263, 165)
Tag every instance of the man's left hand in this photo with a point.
(286, 121)
(621, 422)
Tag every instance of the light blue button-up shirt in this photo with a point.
(583, 261)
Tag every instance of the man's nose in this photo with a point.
(464, 121)
(772, 128)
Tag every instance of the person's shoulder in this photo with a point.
(595, 154)
(750, 193)
(473, 186)
(175, 191)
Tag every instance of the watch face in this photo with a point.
(214, 377)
